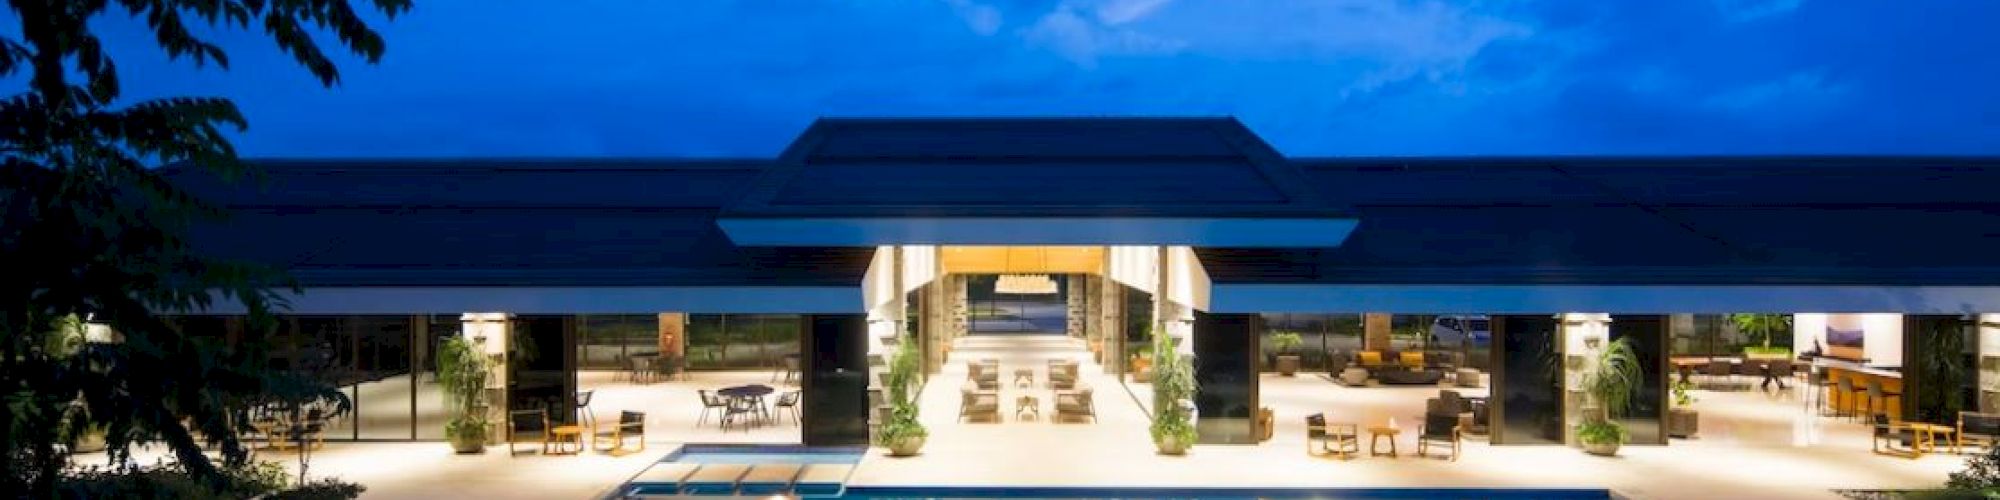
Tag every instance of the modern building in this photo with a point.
(956, 234)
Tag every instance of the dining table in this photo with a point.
(752, 392)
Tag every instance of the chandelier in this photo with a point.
(1025, 284)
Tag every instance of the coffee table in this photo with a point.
(1027, 408)
(563, 436)
(1927, 435)
(1375, 435)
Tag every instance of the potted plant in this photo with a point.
(1141, 365)
(1288, 358)
(1682, 420)
(1609, 382)
(903, 434)
(1601, 437)
(1173, 391)
(462, 371)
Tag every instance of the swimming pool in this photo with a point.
(887, 492)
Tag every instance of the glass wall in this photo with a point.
(432, 330)
(1530, 384)
(740, 341)
(607, 341)
(1320, 336)
(1644, 420)
(1716, 335)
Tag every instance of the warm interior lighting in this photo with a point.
(1025, 284)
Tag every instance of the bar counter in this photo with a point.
(1859, 375)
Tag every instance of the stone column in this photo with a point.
(673, 334)
(1375, 332)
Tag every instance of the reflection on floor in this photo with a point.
(673, 407)
(1746, 450)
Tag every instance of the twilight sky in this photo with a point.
(1316, 78)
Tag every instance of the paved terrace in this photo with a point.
(1752, 445)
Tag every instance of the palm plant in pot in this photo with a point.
(462, 372)
(903, 434)
(1682, 420)
(1287, 344)
(1173, 390)
(1608, 386)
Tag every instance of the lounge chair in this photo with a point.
(630, 424)
(768, 479)
(528, 426)
(977, 404)
(1978, 428)
(1076, 404)
(1440, 430)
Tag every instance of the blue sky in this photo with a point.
(634, 78)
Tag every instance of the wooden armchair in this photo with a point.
(1342, 440)
(1440, 430)
(977, 404)
(1076, 404)
(1978, 428)
(630, 424)
(528, 426)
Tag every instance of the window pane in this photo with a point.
(381, 366)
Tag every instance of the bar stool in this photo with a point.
(1816, 395)
(1877, 395)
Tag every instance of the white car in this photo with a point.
(1452, 330)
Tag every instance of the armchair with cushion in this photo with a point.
(1413, 360)
(977, 404)
(1075, 405)
(528, 426)
(1369, 359)
(1342, 440)
(1978, 428)
(1440, 430)
(631, 424)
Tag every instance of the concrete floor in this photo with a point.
(673, 407)
(1752, 445)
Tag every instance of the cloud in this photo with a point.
(1084, 39)
(983, 19)
(1116, 12)
(1748, 10)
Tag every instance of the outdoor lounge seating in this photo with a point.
(1893, 438)
(1440, 430)
(975, 404)
(1341, 440)
(985, 374)
(1076, 404)
(1062, 374)
(631, 424)
(1976, 428)
(528, 426)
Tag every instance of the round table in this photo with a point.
(754, 392)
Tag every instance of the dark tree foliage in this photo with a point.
(90, 228)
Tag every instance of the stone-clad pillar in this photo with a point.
(1375, 331)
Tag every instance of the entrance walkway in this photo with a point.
(956, 448)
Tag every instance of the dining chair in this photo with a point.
(788, 402)
(709, 402)
(588, 418)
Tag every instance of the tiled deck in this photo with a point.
(1752, 445)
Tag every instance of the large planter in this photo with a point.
(88, 442)
(1601, 449)
(1683, 422)
(1171, 445)
(468, 444)
(1288, 364)
(906, 447)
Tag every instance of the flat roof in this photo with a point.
(1414, 221)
